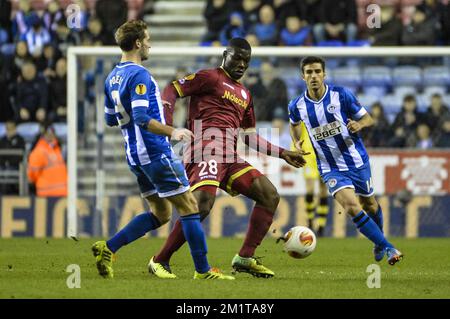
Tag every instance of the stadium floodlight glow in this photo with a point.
(295, 52)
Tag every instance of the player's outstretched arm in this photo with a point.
(176, 134)
(356, 126)
(255, 141)
(168, 99)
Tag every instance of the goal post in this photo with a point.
(178, 53)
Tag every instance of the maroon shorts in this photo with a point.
(234, 178)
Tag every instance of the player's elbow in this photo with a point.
(140, 117)
(111, 120)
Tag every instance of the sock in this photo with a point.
(370, 229)
(260, 221)
(378, 217)
(193, 232)
(136, 228)
(322, 212)
(310, 209)
(173, 243)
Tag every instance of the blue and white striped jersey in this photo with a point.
(326, 122)
(132, 98)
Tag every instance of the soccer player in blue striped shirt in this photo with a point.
(133, 102)
(333, 117)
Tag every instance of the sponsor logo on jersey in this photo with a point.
(326, 131)
(117, 79)
(332, 182)
(233, 98)
(141, 89)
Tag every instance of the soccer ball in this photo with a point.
(300, 242)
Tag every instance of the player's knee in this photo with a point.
(269, 198)
(192, 204)
(370, 207)
(352, 208)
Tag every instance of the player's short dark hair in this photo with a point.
(310, 60)
(127, 34)
(240, 43)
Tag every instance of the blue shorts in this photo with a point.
(165, 176)
(360, 179)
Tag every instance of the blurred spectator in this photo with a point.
(421, 29)
(11, 141)
(407, 120)
(111, 14)
(149, 7)
(377, 134)
(309, 10)
(94, 36)
(398, 139)
(135, 9)
(47, 62)
(250, 11)
(390, 32)
(266, 28)
(252, 39)
(337, 21)
(46, 167)
(58, 93)
(422, 138)
(234, 29)
(436, 113)
(268, 90)
(20, 20)
(295, 33)
(20, 57)
(31, 95)
(280, 128)
(37, 36)
(216, 14)
(443, 138)
(443, 13)
(5, 21)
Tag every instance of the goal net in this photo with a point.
(103, 194)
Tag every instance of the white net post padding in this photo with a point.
(294, 52)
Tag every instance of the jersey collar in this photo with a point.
(321, 99)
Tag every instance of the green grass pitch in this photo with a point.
(36, 268)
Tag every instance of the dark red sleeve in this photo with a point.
(249, 120)
(256, 142)
(169, 95)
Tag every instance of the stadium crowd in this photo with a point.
(35, 35)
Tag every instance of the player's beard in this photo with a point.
(144, 54)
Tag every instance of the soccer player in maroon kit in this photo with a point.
(219, 106)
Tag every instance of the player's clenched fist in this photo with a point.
(182, 134)
(353, 126)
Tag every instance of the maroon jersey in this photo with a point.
(217, 100)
